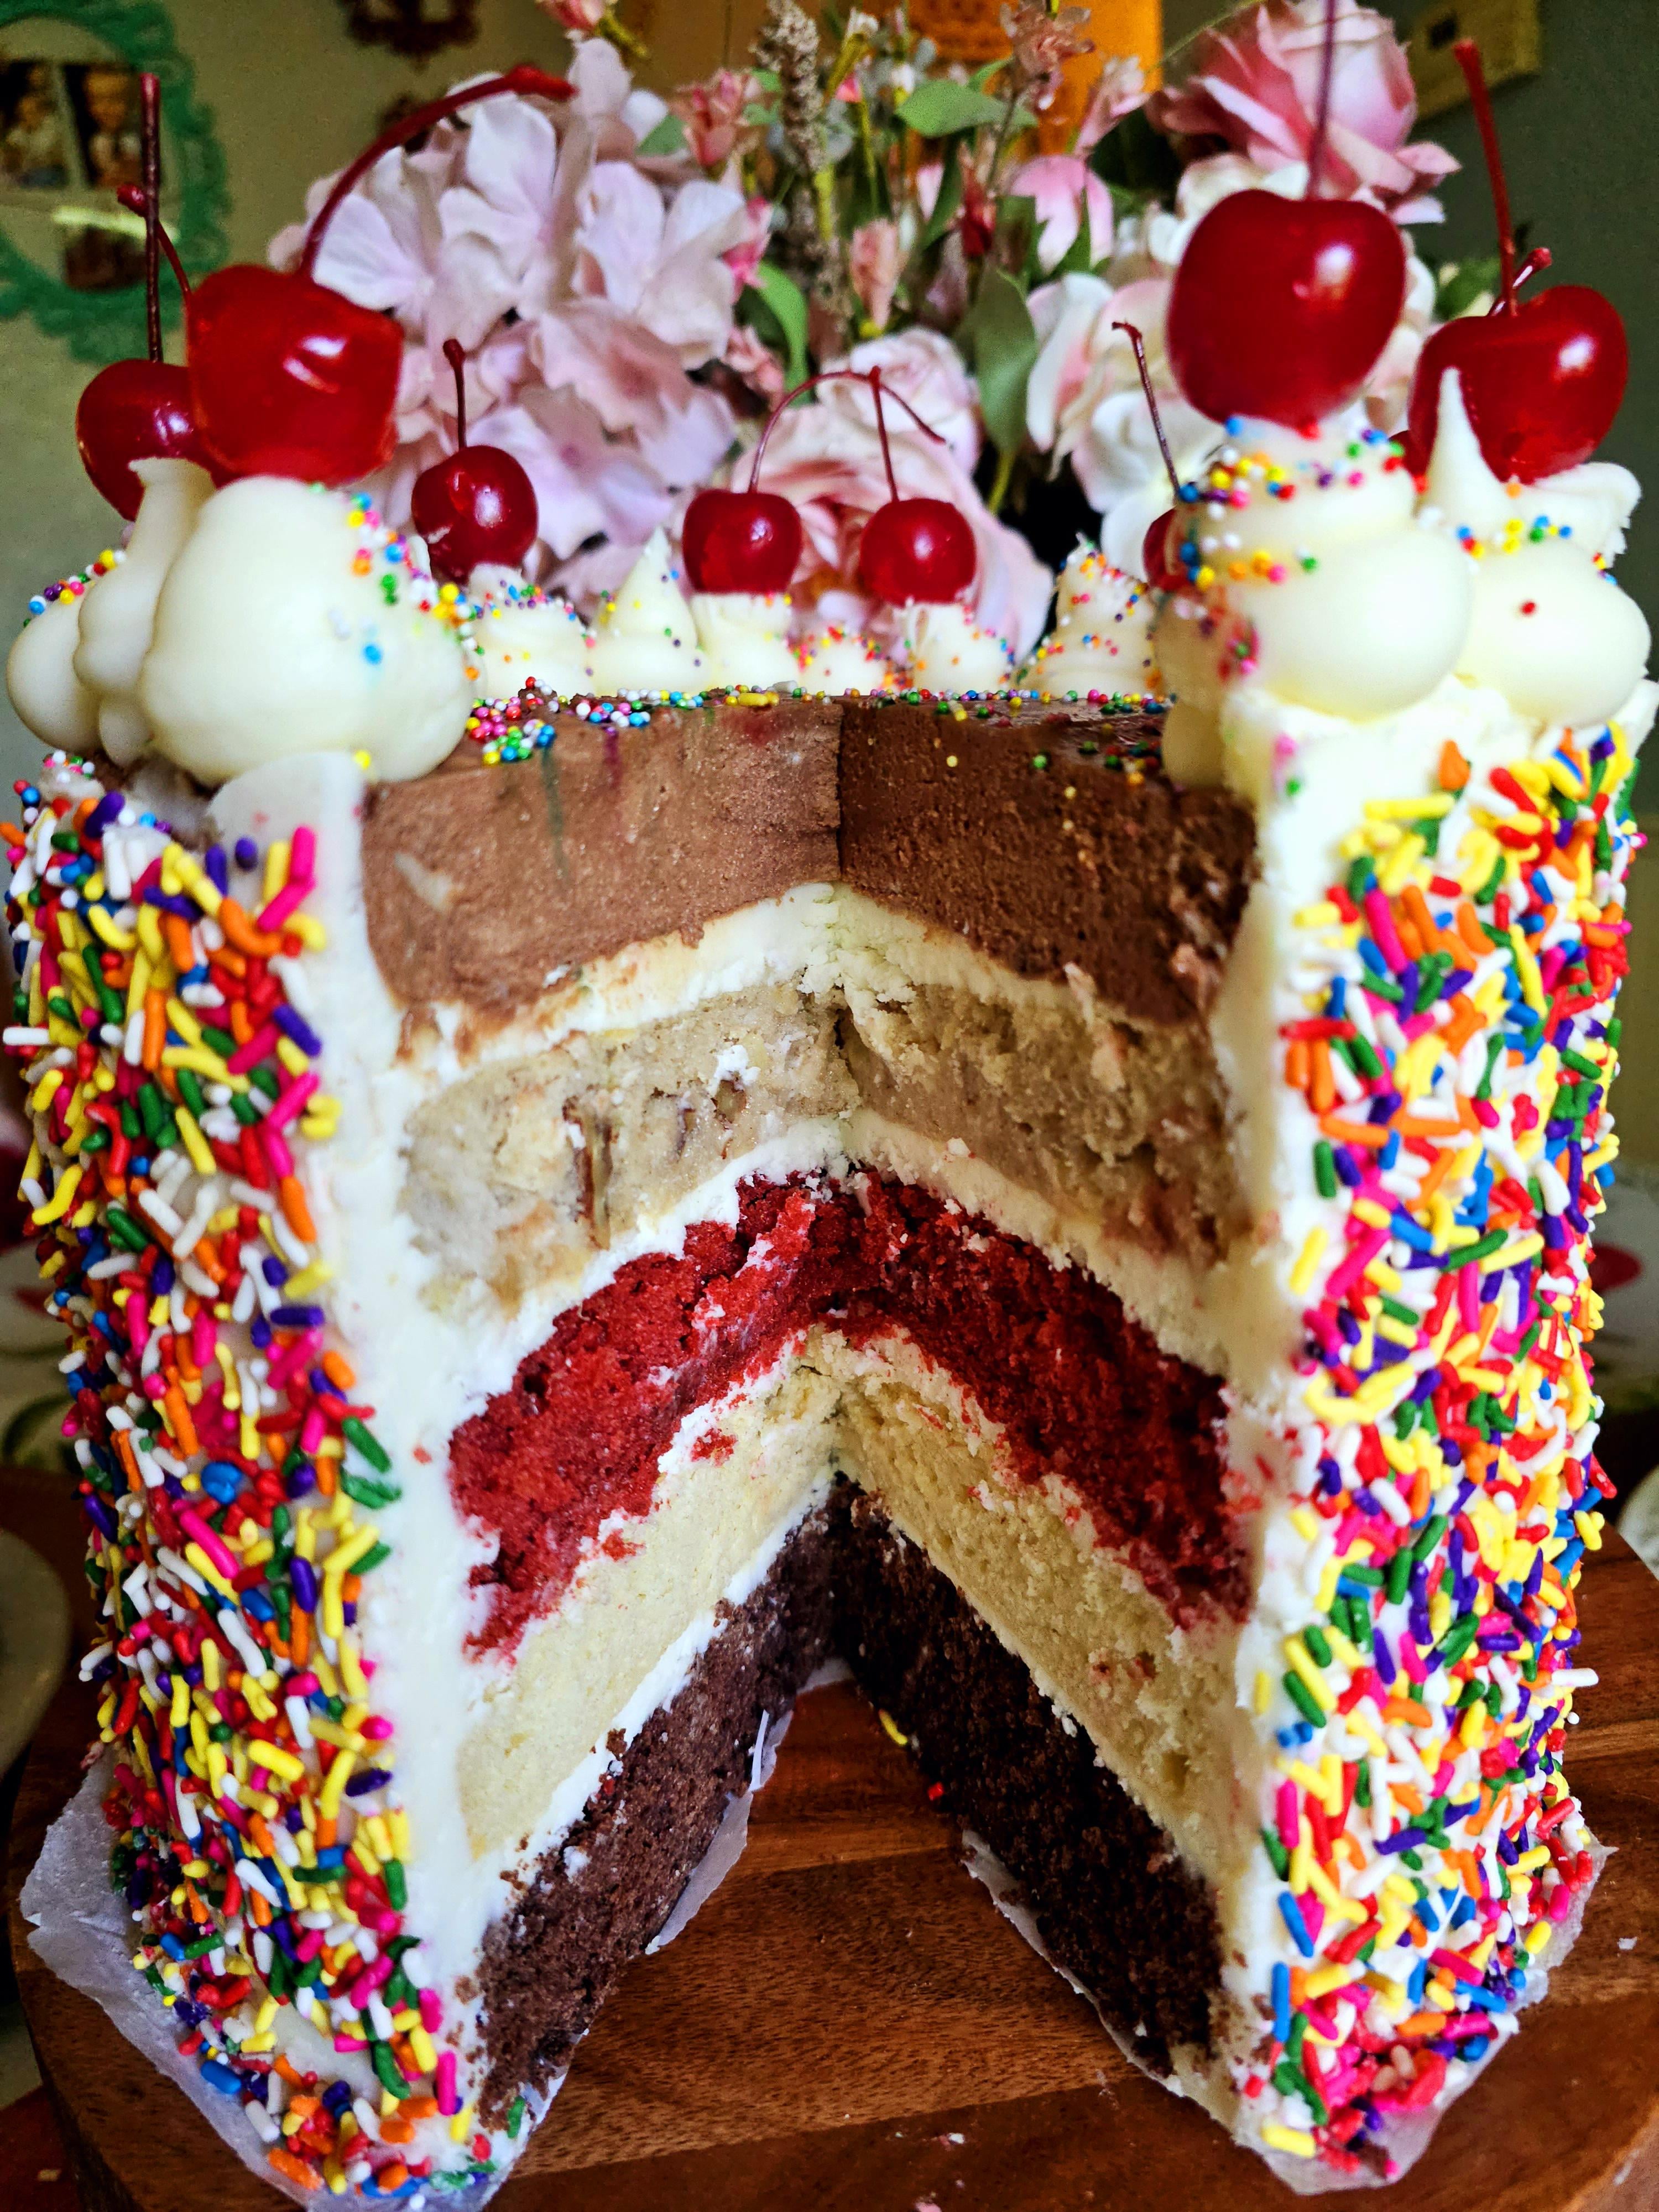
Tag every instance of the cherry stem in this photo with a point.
(870, 376)
(456, 357)
(881, 431)
(523, 79)
(1132, 334)
(150, 110)
(1539, 258)
(131, 197)
(1468, 60)
(1323, 116)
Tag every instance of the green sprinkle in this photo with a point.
(372, 1559)
(386, 2068)
(1304, 1699)
(1325, 1170)
(1277, 1852)
(372, 1449)
(1313, 1638)
(372, 1494)
(1399, 1575)
(396, 1887)
(1433, 1531)
(1487, 1245)
(515, 2117)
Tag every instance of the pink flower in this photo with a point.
(580, 16)
(635, 385)
(755, 363)
(712, 113)
(1255, 82)
(1044, 42)
(828, 460)
(923, 367)
(872, 265)
(1062, 184)
(661, 263)
(743, 259)
(1119, 90)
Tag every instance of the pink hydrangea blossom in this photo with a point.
(1253, 81)
(1062, 185)
(872, 266)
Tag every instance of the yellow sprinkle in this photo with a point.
(273, 1756)
(1302, 1662)
(333, 1789)
(1308, 1259)
(201, 1155)
(1324, 1979)
(1297, 2141)
(461, 2126)
(1264, 1691)
(1538, 1936)
(892, 1728)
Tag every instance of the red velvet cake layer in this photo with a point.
(1082, 1390)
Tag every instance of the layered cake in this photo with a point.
(571, 1210)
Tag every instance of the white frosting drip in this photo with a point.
(271, 640)
(520, 640)
(117, 615)
(744, 637)
(1102, 638)
(839, 663)
(948, 654)
(644, 638)
(50, 699)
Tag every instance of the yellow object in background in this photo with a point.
(971, 31)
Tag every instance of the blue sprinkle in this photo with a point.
(1281, 2002)
(1290, 1912)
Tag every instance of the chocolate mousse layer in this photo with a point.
(482, 883)
(1048, 841)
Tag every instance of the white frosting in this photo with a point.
(1554, 634)
(118, 615)
(274, 636)
(744, 637)
(839, 663)
(948, 654)
(50, 699)
(1102, 638)
(1592, 504)
(540, 640)
(644, 640)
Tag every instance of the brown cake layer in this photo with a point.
(1046, 841)
(1114, 1904)
(605, 1889)
(482, 882)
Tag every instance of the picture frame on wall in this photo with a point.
(70, 255)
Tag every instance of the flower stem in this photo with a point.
(1004, 479)
(611, 28)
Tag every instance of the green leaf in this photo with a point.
(1004, 339)
(1459, 284)
(788, 305)
(982, 76)
(1134, 156)
(938, 109)
(668, 137)
(950, 196)
(1014, 248)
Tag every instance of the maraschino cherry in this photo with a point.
(1541, 383)
(1281, 308)
(913, 549)
(1161, 572)
(288, 377)
(741, 541)
(477, 506)
(140, 410)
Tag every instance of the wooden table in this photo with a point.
(849, 2025)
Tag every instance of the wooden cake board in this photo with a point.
(849, 2024)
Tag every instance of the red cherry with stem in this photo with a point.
(477, 506)
(913, 549)
(740, 541)
(1162, 572)
(140, 410)
(1541, 383)
(1281, 308)
(291, 378)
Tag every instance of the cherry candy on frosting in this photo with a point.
(140, 410)
(288, 377)
(1541, 382)
(477, 506)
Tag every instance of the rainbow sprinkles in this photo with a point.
(232, 1489)
(1451, 1072)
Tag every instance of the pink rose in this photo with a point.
(712, 114)
(872, 265)
(1255, 82)
(1061, 184)
(1119, 90)
(755, 363)
(923, 367)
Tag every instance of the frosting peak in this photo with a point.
(1100, 641)
(744, 637)
(948, 653)
(644, 640)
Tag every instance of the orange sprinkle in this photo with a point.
(1406, 1709)
(1296, 1063)
(235, 922)
(259, 1908)
(1454, 769)
(241, 1022)
(1410, 937)
(396, 2131)
(327, 1831)
(295, 1211)
(392, 2177)
(1354, 1133)
(339, 1371)
(327, 1480)
(299, 1636)
(156, 1029)
(307, 2177)
(288, 2072)
(1322, 1084)
(183, 1427)
(176, 932)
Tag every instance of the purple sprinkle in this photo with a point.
(247, 854)
(217, 868)
(301, 1032)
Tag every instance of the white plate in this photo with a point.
(34, 1625)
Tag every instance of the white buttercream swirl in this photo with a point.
(645, 638)
(948, 653)
(1101, 644)
(744, 637)
(524, 638)
(839, 663)
(118, 615)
